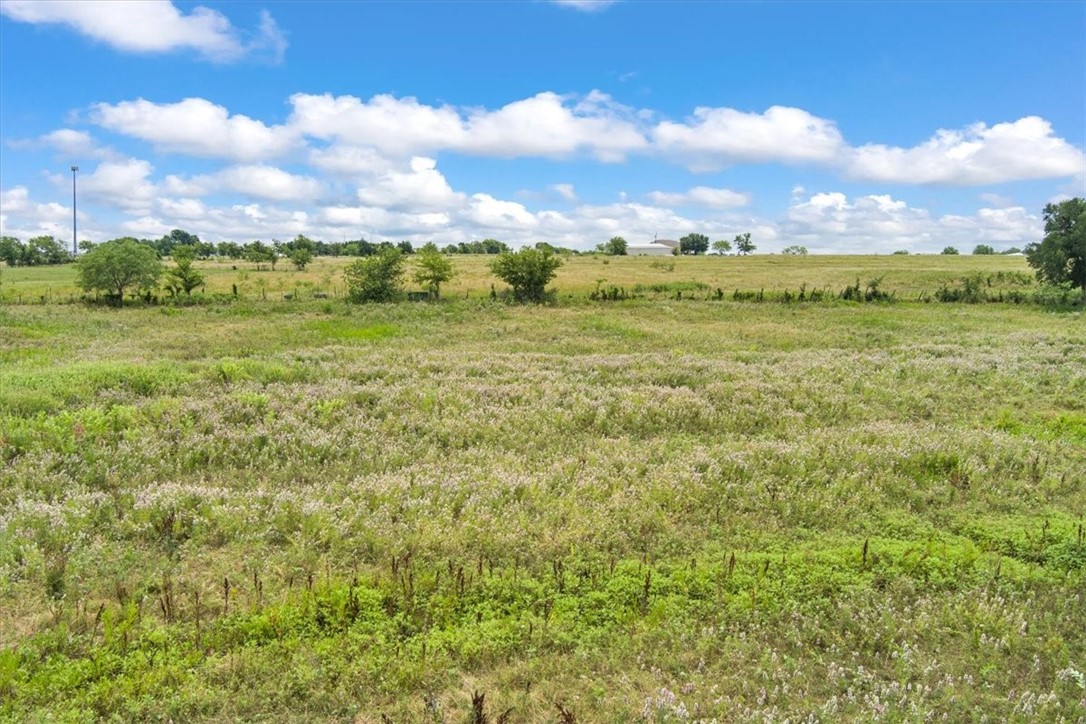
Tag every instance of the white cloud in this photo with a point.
(830, 222)
(586, 6)
(24, 219)
(120, 184)
(265, 182)
(976, 155)
(714, 138)
(701, 196)
(196, 127)
(421, 188)
(566, 191)
(544, 125)
(153, 26)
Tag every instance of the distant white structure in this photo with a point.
(658, 247)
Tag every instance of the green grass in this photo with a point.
(643, 510)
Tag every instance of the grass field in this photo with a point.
(651, 510)
(906, 276)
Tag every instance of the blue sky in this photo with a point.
(845, 127)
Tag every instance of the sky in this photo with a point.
(844, 127)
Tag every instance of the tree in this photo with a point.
(1060, 258)
(694, 244)
(375, 278)
(983, 250)
(723, 246)
(300, 257)
(949, 251)
(743, 244)
(527, 271)
(795, 250)
(260, 253)
(405, 247)
(183, 276)
(434, 269)
(615, 246)
(117, 265)
(11, 250)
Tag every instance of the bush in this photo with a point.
(377, 278)
(527, 271)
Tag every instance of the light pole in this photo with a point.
(75, 244)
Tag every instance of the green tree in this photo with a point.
(983, 250)
(183, 276)
(1060, 258)
(45, 250)
(300, 258)
(743, 244)
(527, 271)
(694, 244)
(260, 253)
(615, 246)
(376, 278)
(949, 251)
(11, 250)
(722, 246)
(433, 270)
(795, 250)
(118, 265)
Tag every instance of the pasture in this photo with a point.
(662, 509)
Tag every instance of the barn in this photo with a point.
(658, 247)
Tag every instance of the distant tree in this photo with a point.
(743, 244)
(794, 250)
(405, 247)
(434, 269)
(723, 246)
(983, 250)
(1011, 250)
(375, 278)
(694, 244)
(118, 265)
(949, 251)
(492, 246)
(85, 245)
(229, 249)
(901, 252)
(11, 250)
(527, 271)
(45, 250)
(300, 258)
(615, 246)
(259, 253)
(183, 276)
(1060, 258)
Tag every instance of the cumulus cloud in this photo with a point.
(978, 154)
(543, 125)
(586, 6)
(123, 184)
(701, 196)
(196, 127)
(878, 223)
(422, 188)
(714, 138)
(24, 218)
(154, 26)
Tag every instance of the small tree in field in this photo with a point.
(1060, 258)
(723, 246)
(615, 246)
(949, 251)
(983, 250)
(528, 271)
(183, 277)
(118, 265)
(434, 269)
(795, 250)
(743, 244)
(694, 244)
(377, 278)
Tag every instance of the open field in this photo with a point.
(906, 276)
(652, 510)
